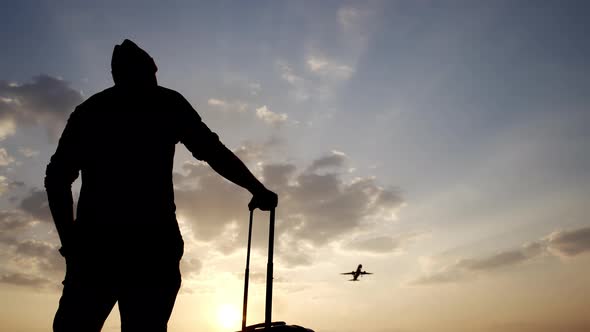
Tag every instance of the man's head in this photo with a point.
(132, 66)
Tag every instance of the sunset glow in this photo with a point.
(228, 317)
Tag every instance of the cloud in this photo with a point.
(288, 74)
(36, 205)
(241, 83)
(254, 152)
(7, 185)
(270, 117)
(469, 267)
(29, 263)
(190, 266)
(278, 175)
(294, 251)
(334, 160)
(44, 254)
(13, 223)
(17, 222)
(569, 243)
(355, 22)
(382, 244)
(33, 263)
(299, 90)
(3, 185)
(540, 326)
(207, 202)
(563, 243)
(329, 68)
(226, 105)
(45, 101)
(492, 262)
(326, 76)
(28, 152)
(445, 275)
(7, 126)
(315, 210)
(259, 277)
(5, 158)
(348, 17)
(255, 88)
(216, 102)
(21, 279)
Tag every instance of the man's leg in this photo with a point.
(85, 303)
(146, 300)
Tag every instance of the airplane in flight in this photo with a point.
(357, 273)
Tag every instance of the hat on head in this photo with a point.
(131, 64)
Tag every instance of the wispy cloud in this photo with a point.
(7, 127)
(216, 102)
(355, 23)
(26, 280)
(5, 158)
(13, 222)
(539, 326)
(334, 160)
(3, 184)
(190, 266)
(349, 17)
(28, 152)
(28, 263)
(568, 243)
(45, 101)
(299, 89)
(270, 117)
(381, 244)
(255, 88)
(563, 243)
(37, 205)
(329, 68)
(7, 185)
(225, 105)
(318, 79)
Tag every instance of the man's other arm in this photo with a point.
(61, 172)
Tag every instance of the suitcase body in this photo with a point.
(277, 327)
(268, 325)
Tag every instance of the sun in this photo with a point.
(228, 317)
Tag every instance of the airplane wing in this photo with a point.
(348, 272)
(366, 272)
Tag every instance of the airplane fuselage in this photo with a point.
(358, 272)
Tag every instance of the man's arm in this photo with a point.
(228, 165)
(61, 172)
(205, 145)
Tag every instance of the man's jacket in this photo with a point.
(122, 141)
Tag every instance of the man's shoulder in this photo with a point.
(109, 97)
(169, 93)
(97, 98)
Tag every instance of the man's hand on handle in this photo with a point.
(263, 199)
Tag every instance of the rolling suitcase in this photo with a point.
(268, 324)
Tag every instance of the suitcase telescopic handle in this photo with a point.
(269, 272)
(247, 274)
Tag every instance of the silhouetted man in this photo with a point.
(124, 243)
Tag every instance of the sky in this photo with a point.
(441, 144)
